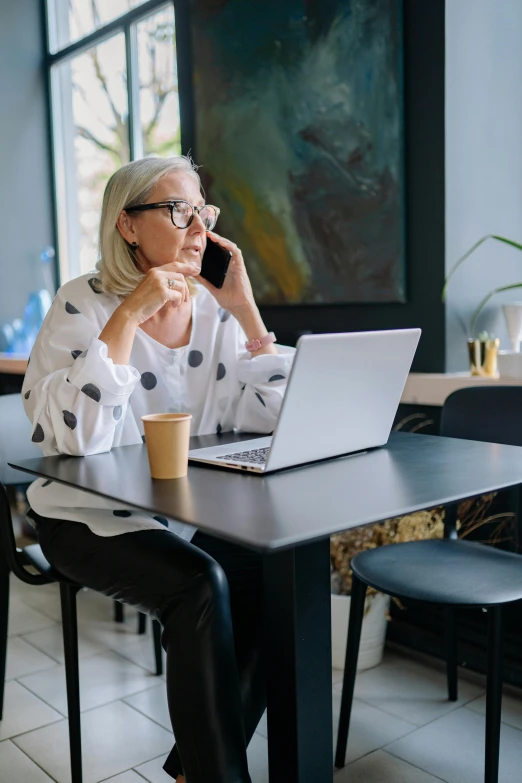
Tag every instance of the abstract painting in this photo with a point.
(299, 134)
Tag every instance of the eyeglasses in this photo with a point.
(182, 213)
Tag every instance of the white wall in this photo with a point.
(483, 161)
(25, 192)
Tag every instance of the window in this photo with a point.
(114, 98)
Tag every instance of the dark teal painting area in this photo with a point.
(299, 131)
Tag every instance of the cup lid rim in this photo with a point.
(158, 417)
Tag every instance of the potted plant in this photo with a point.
(344, 546)
(483, 350)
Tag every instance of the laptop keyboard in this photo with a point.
(254, 456)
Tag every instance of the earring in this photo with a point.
(134, 245)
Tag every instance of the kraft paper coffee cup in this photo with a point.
(167, 438)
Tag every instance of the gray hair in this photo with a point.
(130, 185)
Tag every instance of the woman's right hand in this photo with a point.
(153, 292)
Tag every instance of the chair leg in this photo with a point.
(142, 622)
(156, 636)
(118, 612)
(493, 693)
(350, 667)
(70, 642)
(451, 653)
(4, 619)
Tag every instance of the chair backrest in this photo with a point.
(15, 444)
(488, 413)
(15, 439)
(11, 556)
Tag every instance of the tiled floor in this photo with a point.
(403, 729)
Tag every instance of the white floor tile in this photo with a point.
(452, 748)
(337, 676)
(15, 767)
(411, 691)
(381, 767)
(153, 771)
(23, 712)
(114, 739)
(97, 636)
(23, 619)
(257, 753)
(104, 678)
(23, 659)
(257, 764)
(511, 709)
(153, 704)
(50, 642)
(127, 777)
(125, 641)
(262, 728)
(370, 728)
(42, 598)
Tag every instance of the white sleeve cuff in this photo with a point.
(267, 368)
(111, 383)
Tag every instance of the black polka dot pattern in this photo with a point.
(47, 483)
(218, 429)
(122, 513)
(71, 309)
(27, 394)
(162, 521)
(92, 391)
(117, 411)
(243, 387)
(76, 353)
(70, 419)
(276, 378)
(224, 315)
(195, 358)
(38, 434)
(261, 400)
(148, 380)
(221, 371)
(95, 284)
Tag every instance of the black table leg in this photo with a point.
(299, 663)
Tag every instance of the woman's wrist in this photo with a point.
(118, 334)
(126, 313)
(249, 319)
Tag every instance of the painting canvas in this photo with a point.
(299, 132)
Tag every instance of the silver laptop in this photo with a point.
(342, 396)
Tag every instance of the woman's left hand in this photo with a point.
(236, 293)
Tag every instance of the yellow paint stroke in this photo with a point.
(267, 236)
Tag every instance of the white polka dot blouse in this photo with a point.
(81, 403)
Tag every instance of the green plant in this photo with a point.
(495, 291)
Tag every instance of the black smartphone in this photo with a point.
(214, 264)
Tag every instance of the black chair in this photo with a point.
(15, 444)
(449, 572)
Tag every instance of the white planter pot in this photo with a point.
(372, 635)
(513, 317)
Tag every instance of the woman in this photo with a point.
(143, 337)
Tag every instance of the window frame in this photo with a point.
(126, 24)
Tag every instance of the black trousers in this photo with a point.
(207, 594)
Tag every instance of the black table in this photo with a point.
(289, 516)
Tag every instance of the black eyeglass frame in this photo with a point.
(170, 205)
